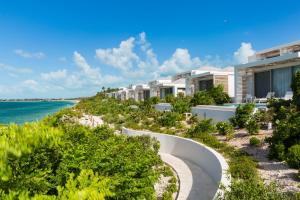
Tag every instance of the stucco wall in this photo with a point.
(206, 158)
(216, 113)
(163, 106)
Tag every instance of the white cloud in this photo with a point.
(26, 54)
(81, 63)
(180, 61)
(122, 57)
(242, 54)
(14, 70)
(59, 74)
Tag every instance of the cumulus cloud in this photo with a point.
(242, 54)
(81, 63)
(26, 54)
(59, 74)
(122, 57)
(180, 61)
(14, 70)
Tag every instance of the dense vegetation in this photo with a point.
(284, 144)
(246, 182)
(60, 160)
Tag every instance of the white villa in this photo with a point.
(131, 92)
(267, 71)
(142, 92)
(169, 86)
(200, 80)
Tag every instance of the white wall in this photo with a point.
(216, 113)
(206, 158)
(231, 85)
(163, 106)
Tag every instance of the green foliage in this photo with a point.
(169, 119)
(154, 100)
(254, 141)
(181, 106)
(43, 162)
(296, 89)
(202, 98)
(242, 167)
(225, 128)
(242, 115)
(245, 190)
(252, 126)
(170, 98)
(204, 127)
(293, 156)
(217, 93)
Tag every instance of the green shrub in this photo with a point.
(246, 190)
(181, 106)
(224, 128)
(252, 126)
(154, 100)
(296, 89)
(242, 115)
(293, 156)
(170, 98)
(243, 167)
(169, 119)
(218, 94)
(254, 141)
(202, 128)
(202, 98)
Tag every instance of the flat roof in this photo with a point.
(212, 73)
(278, 47)
(268, 61)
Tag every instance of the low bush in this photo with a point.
(254, 141)
(202, 98)
(252, 126)
(181, 106)
(242, 115)
(170, 98)
(169, 119)
(218, 94)
(243, 167)
(293, 156)
(225, 128)
(202, 128)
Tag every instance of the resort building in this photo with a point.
(201, 80)
(163, 87)
(267, 72)
(131, 92)
(122, 94)
(142, 92)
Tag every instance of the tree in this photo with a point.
(296, 89)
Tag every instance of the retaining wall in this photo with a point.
(163, 106)
(216, 113)
(205, 157)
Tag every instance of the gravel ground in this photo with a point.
(269, 170)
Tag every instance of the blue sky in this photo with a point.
(73, 48)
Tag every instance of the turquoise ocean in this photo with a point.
(21, 112)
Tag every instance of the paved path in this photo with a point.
(194, 183)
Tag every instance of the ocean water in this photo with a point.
(21, 112)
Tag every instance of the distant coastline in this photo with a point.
(39, 100)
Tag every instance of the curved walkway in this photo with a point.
(194, 182)
(201, 170)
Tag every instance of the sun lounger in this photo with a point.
(288, 95)
(264, 100)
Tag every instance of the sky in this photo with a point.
(72, 48)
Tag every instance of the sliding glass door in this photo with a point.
(281, 81)
(262, 84)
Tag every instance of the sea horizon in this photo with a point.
(20, 112)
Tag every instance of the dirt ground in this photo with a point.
(269, 170)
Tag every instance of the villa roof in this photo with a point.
(213, 73)
(286, 58)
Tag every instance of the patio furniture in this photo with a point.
(264, 100)
(249, 98)
(288, 95)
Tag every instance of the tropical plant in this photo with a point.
(225, 128)
(218, 94)
(202, 98)
(242, 114)
(254, 141)
(252, 126)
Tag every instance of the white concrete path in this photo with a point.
(194, 183)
